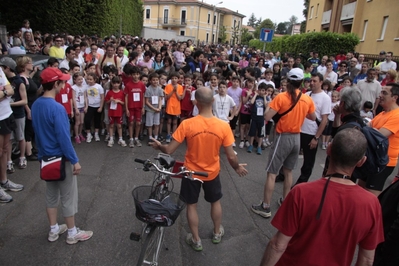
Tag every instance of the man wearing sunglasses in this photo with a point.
(57, 50)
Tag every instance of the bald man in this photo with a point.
(204, 134)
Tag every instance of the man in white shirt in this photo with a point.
(322, 68)
(360, 61)
(69, 56)
(121, 56)
(16, 47)
(387, 64)
(370, 88)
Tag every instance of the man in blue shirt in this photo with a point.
(51, 125)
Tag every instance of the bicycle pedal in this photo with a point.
(134, 236)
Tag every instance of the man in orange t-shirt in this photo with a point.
(285, 148)
(204, 134)
(173, 96)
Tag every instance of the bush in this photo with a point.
(326, 43)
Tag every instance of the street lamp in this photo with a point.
(213, 20)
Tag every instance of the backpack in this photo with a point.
(377, 150)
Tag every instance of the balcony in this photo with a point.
(172, 22)
(326, 17)
(348, 11)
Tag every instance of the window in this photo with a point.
(213, 37)
(317, 10)
(209, 18)
(182, 33)
(183, 17)
(165, 16)
(238, 24)
(207, 37)
(214, 19)
(234, 24)
(311, 13)
(384, 27)
(147, 13)
(364, 30)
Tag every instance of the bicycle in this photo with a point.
(157, 206)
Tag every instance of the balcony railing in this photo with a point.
(348, 11)
(172, 22)
(326, 17)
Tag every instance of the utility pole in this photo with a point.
(213, 20)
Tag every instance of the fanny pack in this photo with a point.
(52, 168)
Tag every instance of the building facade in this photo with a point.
(374, 21)
(193, 18)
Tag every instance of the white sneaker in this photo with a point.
(106, 138)
(138, 143)
(103, 132)
(80, 236)
(96, 137)
(241, 144)
(324, 146)
(234, 144)
(267, 142)
(110, 143)
(89, 138)
(131, 143)
(54, 236)
(247, 143)
(122, 143)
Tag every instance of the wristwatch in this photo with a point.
(5, 92)
(316, 138)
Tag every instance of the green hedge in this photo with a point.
(101, 17)
(326, 43)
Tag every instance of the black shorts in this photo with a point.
(374, 182)
(190, 190)
(172, 117)
(7, 125)
(328, 129)
(245, 119)
(233, 122)
(256, 126)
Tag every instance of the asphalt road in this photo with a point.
(106, 206)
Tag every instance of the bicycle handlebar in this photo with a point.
(186, 173)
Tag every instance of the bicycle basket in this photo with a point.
(160, 213)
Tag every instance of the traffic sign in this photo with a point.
(266, 35)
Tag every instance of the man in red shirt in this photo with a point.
(321, 222)
(134, 101)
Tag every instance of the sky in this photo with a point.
(276, 10)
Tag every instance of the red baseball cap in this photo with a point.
(51, 74)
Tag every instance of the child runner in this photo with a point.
(245, 113)
(269, 124)
(258, 103)
(186, 104)
(268, 78)
(326, 135)
(79, 92)
(153, 105)
(366, 111)
(95, 98)
(173, 96)
(235, 92)
(224, 106)
(163, 81)
(116, 100)
(134, 102)
(198, 84)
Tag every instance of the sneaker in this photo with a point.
(250, 147)
(80, 236)
(247, 143)
(259, 151)
(258, 209)
(216, 238)
(22, 163)
(280, 201)
(137, 142)
(77, 140)
(54, 236)
(106, 138)
(89, 138)
(168, 138)
(103, 132)
(267, 142)
(11, 186)
(4, 196)
(241, 145)
(110, 143)
(10, 168)
(96, 137)
(82, 138)
(324, 146)
(122, 143)
(197, 246)
(234, 144)
(131, 143)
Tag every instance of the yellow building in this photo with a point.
(193, 18)
(374, 21)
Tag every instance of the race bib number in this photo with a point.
(259, 111)
(64, 98)
(81, 99)
(136, 97)
(154, 99)
(113, 106)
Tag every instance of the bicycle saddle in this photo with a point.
(166, 162)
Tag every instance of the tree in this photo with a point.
(282, 27)
(246, 36)
(267, 23)
(252, 21)
(305, 14)
(257, 23)
(235, 35)
(292, 21)
(222, 35)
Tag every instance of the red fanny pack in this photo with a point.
(52, 168)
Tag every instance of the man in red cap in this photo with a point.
(51, 125)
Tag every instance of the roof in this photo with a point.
(250, 29)
(191, 2)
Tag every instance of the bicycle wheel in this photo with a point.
(151, 239)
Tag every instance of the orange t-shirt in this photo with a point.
(173, 103)
(390, 121)
(292, 121)
(204, 137)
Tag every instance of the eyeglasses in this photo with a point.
(58, 40)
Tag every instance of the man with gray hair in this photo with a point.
(16, 47)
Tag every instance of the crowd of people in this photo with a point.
(129, 87)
